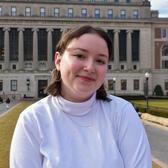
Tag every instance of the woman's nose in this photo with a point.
(89, 66)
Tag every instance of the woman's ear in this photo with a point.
(57, 60)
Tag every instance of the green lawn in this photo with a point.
(7, 125)
(154, 165)
(153, 102)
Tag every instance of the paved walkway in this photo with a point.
(155, 119)
(3, 107)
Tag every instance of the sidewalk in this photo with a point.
(4, 109)
(158, 120)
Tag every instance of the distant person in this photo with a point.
(79, 125)
(7, 102)
(1, 99)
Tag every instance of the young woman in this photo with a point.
(78, 125)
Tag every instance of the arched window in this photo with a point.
(164, 58)
(165, 50)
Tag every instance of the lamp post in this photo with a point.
(114, 82)
(147, 90)
(28, 84)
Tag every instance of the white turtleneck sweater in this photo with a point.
(56, 133)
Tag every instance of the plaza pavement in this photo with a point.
(155, 119)
(4, 109)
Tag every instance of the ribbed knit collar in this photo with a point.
(76, 109)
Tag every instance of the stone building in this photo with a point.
(30, 30)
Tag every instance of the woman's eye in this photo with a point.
(79, 55)
(101, 61)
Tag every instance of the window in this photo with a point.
(84, 12)
(116, 1)
(122, 45)
(135, 45)
(165, 51)
(28, 45)
(42, 45)
(56, 34)
(122, 67)
(13, 85)
(70, 12)
(122, 14)
(13, 44)
(56, 12)
(13, 11)
(134, 67)
(123, 84)
(28, 11)
(42, 12)
(110, 84)
(97, 13)
(135, 14)
(14, 66)
(163, 33)
(0, 10)
(1, 85)
(110, 14)
(165, 64)
(1, 53)
(166, 84)
(109, 67)
(165, 57)
(1, 44)
(0, 66)
(128, 1)
(136, 84)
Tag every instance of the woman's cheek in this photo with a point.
(76, 66)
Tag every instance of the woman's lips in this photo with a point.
(86, 78)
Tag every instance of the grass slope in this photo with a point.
(7, 125)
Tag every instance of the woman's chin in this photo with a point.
(83, 95)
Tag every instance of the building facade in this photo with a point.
(30, 30)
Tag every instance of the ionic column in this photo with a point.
(116, 49)
(35, 49)
(6, 48)
(21, 50)
(49, 48)
(129, 49)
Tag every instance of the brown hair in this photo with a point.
(54, 87)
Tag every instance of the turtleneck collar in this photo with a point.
(76, 109)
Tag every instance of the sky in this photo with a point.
(161, 5)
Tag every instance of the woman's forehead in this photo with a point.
(88, 38)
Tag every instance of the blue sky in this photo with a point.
(161, 5)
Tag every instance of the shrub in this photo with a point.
(158, 91)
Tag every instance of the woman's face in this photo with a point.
(82, 66)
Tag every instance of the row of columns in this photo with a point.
(116, 49)
(21, 48)
(49, 49)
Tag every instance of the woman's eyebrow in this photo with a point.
(103, 55)
(72, 49)
(84, 50)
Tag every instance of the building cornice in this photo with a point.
(61, 2)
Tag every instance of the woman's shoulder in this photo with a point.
(116, 106)
(115, 100)
(38, 107)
